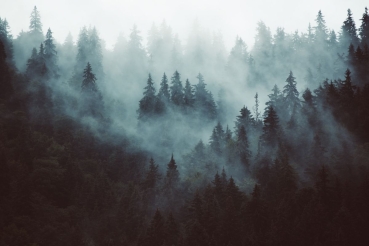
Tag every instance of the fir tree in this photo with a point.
(348, 32)
(291, 95)
(7, 39)
(35, 25)
(364, 28)
(89, 80)
(270, 128)
(156, 230)
(148, 102)
(172, 176)
(243, 147)
(176, 89)
(50, 54)
(204, 101)
(320, 29)
(152, 175)
(164, 93)
(188, 97)
(6, 87)
(245, 119)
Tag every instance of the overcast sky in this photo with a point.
(231, 17)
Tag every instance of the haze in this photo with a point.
(112, 17)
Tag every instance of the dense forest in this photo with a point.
(185, 144)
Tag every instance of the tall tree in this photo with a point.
(204, 101)
(7, 39)
(348, 32)
(321, 34)
(188, 96)
(50, 54)
(172, 176)
(243, 147)
(176, 89)
(35, 24)
(364, 28)
(148, 102)
(270, 128)
(291, 95)
(245, 119)
(164, 93)
(6, 87)
(89, 79)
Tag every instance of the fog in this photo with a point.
(112, 17)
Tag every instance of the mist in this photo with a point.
(151, 115)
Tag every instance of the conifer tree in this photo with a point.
(172, 176)
(243, 147)
(364, 28)
(152, 175)
(291, 95)
(164, 93)
(7, 39)
(270, 128)
(348, 32)
(156, 230)
(35, 25)
(50, 54)
(204, 101)
(320, 29)
(188, 97)
(148, 102)
(6, 87)
(245, 119)
(89, 80)
(176, 89)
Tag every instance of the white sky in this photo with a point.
(231, 17)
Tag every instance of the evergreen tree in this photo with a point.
(348, 32)
(291, 95)
(50, 54)
(188, 97)
(35, 25)
(148, 102)
(171, 232)
(320, 29)
(172, 176)
(243, 147)
(270, 128)
(245, 119)
(176, 89)
(364, 28)
(164, 93)
(7, 39)
(156, 230)
(204, 102)
(275, 99)
(152, 175)
(6, 87)
(89, 80)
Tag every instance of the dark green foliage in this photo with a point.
(148, 103)
(204, 101)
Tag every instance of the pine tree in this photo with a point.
(35, 25)
(204, 101)
(243, 147)
(172, 176)
(176, 89)
(320, 29)
(50, 54)
(291, 95)
(152, 175)
(156, 230)
(270, 128)
(7, 39)
(364, 28)
(148, 102)
(164, 93)
(6, 87)
(275, 99)
(188, 97)
(89, 80)
(245, 119)
(348, 32)
(171, 232)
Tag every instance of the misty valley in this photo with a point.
(164, 141)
